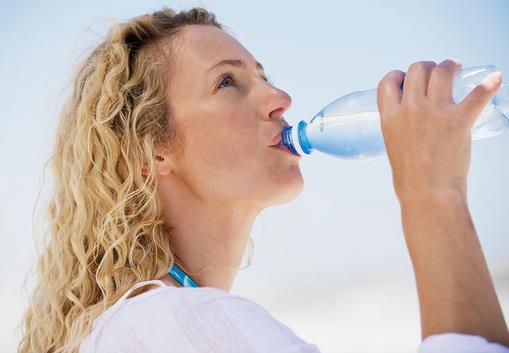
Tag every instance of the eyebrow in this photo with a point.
(234, 62)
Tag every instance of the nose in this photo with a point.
(276, 102)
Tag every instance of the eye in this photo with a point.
(269, 80)
(226, 78)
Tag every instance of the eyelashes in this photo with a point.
(230, 77)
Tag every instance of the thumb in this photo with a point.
(476, 100)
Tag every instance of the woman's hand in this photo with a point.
(427, 136)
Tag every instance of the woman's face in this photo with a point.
(229, 116)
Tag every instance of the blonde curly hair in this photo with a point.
(105, 230)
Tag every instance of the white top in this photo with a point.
(208, 320)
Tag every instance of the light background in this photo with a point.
(332, 265)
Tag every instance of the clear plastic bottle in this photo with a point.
(349, 127)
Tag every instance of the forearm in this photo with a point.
(456, 293)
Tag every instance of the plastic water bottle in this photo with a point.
(349, 127)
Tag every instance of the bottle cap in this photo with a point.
(296, 141)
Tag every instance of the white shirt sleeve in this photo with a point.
(459, 343)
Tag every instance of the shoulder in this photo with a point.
(141, 323)
(200, 320)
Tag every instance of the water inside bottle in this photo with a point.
(348, 136)
(359, 135)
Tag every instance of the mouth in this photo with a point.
(282, 147)
(277, 140)
(277, 143)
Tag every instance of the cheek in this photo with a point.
(225, 158)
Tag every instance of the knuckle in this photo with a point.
(415, 66)
(450, 64)
(393, 76)
(422, 65)
(446, 68)
(390, 78)
(396, 74)
(441, 70)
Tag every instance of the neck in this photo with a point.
(208, 239)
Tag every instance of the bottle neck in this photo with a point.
(181, 277)
(295, 139)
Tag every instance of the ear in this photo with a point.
(164, 165)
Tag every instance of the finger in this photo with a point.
(441, 81)
(389, 90)
(476, 100)
(416, 81)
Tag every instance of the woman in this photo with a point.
(167, 151)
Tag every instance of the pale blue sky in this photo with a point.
(344, 231)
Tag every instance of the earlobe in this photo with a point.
(163, 166)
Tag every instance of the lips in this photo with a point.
(276, 140)
(279, 137)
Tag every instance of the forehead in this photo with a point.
(199, 47)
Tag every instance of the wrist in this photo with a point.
(433, 197)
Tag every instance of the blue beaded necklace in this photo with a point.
(180, 276)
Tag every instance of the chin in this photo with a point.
(286, 190)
